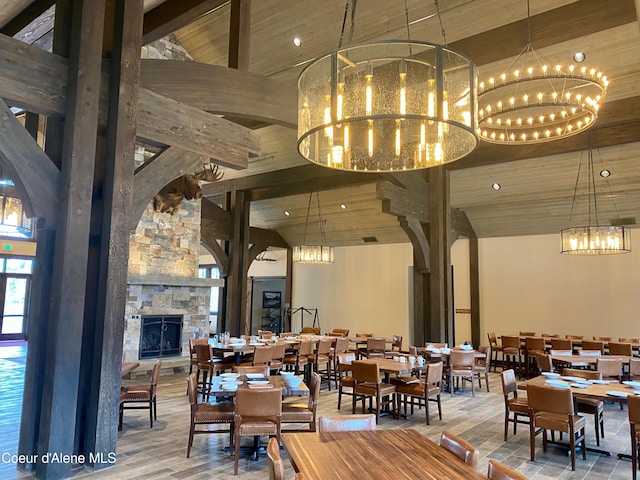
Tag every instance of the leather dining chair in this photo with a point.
(423, 390)
(511, 352)
(343, 332)
(562, 344)
(257, 413)
(396, 346)
(483, 365)
(495, 349)
(460, 448)
(207, 414)
(461, 365)
(619, 348)
(341, 346)
(141, 396)
(300, 359)
(322, 356)
(279, 350)
(375, 347)
(533, 346)
(603, 339)
(527, 334)
(499, 471)
(609, 368)
(262, 355)
(634, 368)
(367, 383)
(347, 423)
(274, 461)
(633, 402)
(552, 409)
(589, 406)
(593, 345)
(345, 378)
(519, 406)
(303, 412)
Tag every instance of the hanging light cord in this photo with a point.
(575, 191)
(322, 232)
(406, 17)
(592, 184)
(306, 220)
(529, 22)
(344, 23)
(444, 37)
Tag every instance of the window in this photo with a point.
(212, 271)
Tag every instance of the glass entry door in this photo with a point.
(14, 291)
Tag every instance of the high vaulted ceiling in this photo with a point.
(537, 180)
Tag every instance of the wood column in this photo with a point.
(474, 287)
(236, 284)
(440, 326)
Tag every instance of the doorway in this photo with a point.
(15, 286)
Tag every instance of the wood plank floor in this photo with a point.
(160, 453)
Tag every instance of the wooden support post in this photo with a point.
(237, 279)
(474, 286)
(239, 31)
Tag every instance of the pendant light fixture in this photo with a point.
(320, 253)
(387, 106)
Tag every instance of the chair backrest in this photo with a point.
(549, 335)
(342, 345)
(365, 372)
(346, 423)
(629, 340)
(324, 346)
(434, 373)
(365, 335)
(574, 337)
(620, 348)
(633, 403)
(244, 369)
(396, 342)
(550, 399)
(376, 344)
(561, 344)
(342, 331)
(486, 361)
(509, 341)
(204, 353)
(305, 348)
(560, 352)
(609, 367)
(493, 340)
(286, 334)
(413, 350)
(634, 367)
(593, 345)
(196, 341)
(509, 384)
(279, 350)
(589, 353)
(192, 389)
(262, 355)
(344, 361)
(312, 330)
(544, 362)
(258, 403)
(274, 460)
(462, 358)
(155, 375)
(265, 334)
(535, 343)
(587, 374)
(498, 471)
(603, 339)
(460, 448)
(527, 334)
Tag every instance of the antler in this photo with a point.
(210, 174)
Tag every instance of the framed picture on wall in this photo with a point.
(271, 299)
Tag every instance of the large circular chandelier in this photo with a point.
(387, 106)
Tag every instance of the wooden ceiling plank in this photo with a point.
(172, 15)
(167, 122)
(26, 16)
(561, 24)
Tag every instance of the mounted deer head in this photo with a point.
(169, 198)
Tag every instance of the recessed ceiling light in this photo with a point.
(297, 41)
(496, 186)
(605, 173)
(343, 206)
(579, 57)
(287, 213)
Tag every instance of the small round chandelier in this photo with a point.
(593, 239)
(537, 101)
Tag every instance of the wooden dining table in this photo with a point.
(397, 454)
(586, 360)
(276, 381)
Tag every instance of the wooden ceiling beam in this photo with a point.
(239, 32)
(172, 15)
(26, 16)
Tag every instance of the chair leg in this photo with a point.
(486, 379)
(506, 424)
(439, 407)
(151, 413)
(236, 455)
(597, 428)
(192, 428)
(634, 451)
(532, 440)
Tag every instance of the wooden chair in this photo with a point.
(262, 355)
(396, 346)
(304, 412)
(574, 337)
(137, 397)
(279, 350)
(343, 332)
(310, 330)
(344, 375)
(274, 461)
(553, 410)
(544, 363)
(519, 406)
(620, 348)
(300, 358)
(461, 365)
(423, 390)
(257, 412)
(341, 346)
(265, 334)
(499, 471)
(460, 448)
(347, 423)
(512, 352)
(533, 346)
(550, 335)
(610, 368)
(322, 356)
(527, 334)
(209, 366)
(603, 339)
(562, 344)
(634, 368)
(593, 345)
(367, 383)
(244, 369)
(375, 348)
(495, 348)
(628, 340)
(207, 414)
(589, 406)
(483, 366)
(633, 402)
(192, 351)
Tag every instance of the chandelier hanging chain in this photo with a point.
(575, 191)
(444, 36)
(323, 236)
(344, 23)
(306, 220)
(353, 20)
(529, 22)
